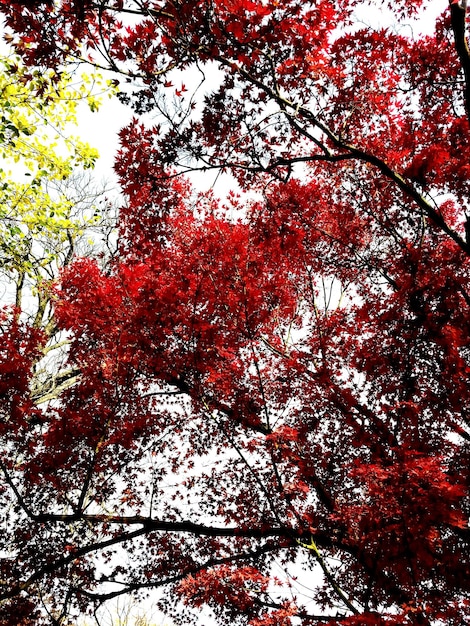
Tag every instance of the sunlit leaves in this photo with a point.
(37, 153)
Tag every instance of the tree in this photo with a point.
(48, 209)
(39, 219)
(48, 202)
(270, 415)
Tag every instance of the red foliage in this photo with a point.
(271, 416)
(19, 350)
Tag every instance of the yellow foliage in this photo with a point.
(37, 112)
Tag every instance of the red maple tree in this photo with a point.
(271, 416)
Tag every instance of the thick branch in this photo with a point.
(154, 525)
(54, 386)
(458, 13)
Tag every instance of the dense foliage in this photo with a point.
(269, 414)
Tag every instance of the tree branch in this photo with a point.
(458, 15)
(54, 386)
